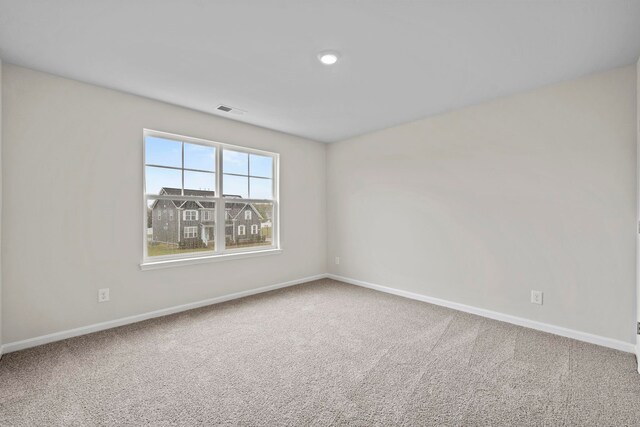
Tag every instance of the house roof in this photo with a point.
(234, 208)
(233, 211)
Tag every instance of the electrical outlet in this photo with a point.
(536, 297)
(337, 260)
(103, 295)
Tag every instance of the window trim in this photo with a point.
(194, 232)
(190, 211)
(164, 263)
(220, 252)
(210, 215)
(256, 228)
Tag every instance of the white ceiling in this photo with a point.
(401, 60)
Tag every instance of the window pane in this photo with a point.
(200, 181)
(235, 162)
(199, 157)
(157, 178)
(261, 165)
(241, 232)
(235, 186)
(169, 233)
(163, 152)
(261, 188)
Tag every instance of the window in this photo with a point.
(190, 232)
(207, 216)
(190, 215)
(207, 181)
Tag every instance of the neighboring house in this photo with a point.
(192, 224)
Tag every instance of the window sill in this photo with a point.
(153, 265)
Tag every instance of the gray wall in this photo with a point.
(74, 212)
(482, 205)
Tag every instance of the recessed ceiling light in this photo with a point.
(328, 57)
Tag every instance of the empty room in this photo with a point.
(319, 213)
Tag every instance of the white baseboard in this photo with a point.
(532, 324)
(558, 330)
(57, 336)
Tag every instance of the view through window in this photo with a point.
(207, 198)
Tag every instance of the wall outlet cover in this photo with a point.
(103, 295)
(536, 297)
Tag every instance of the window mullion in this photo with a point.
(220, 216)
(182, 170)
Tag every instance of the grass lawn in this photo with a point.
(158, 249)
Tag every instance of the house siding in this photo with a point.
(190, 242)
(236, 218)
(165, 230)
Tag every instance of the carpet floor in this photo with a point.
(322, 353)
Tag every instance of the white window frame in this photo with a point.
(247, 214)
(191, 232)
(208, 215)
(242, 230)
(254, 227)
(220, 252)
(189, 212)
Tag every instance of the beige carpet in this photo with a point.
(323, 353)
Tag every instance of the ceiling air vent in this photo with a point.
(230, 110)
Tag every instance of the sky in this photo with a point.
(252, 173)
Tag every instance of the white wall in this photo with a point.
(1, 173)
(482, 205)
(478, 206)
(638, 210)
(72, 162)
